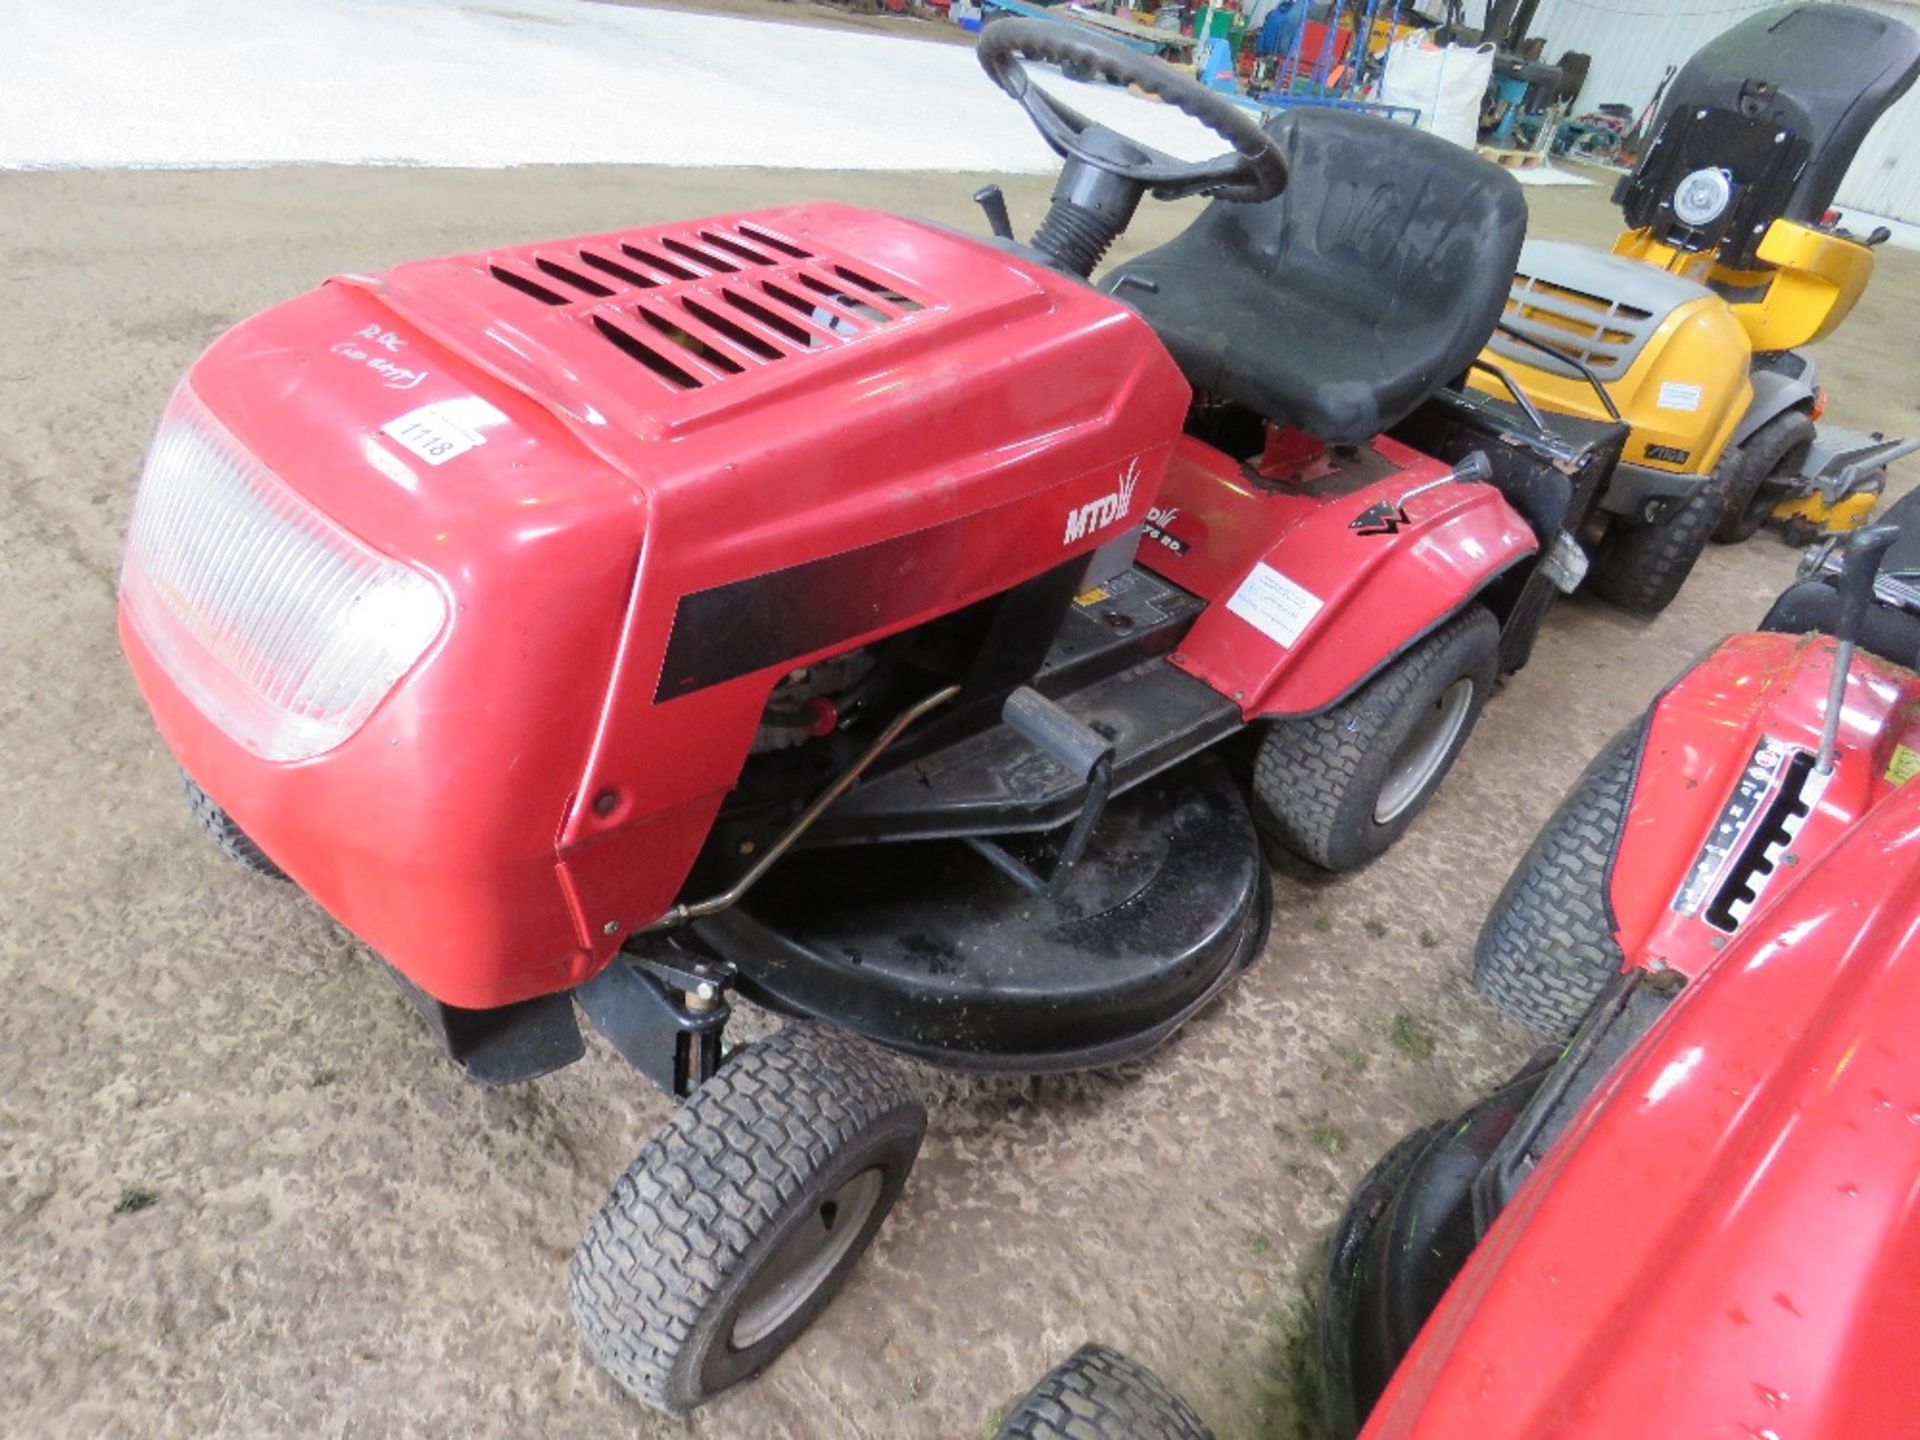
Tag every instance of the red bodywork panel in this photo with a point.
(724, 449)
(1726, 1239)
(449, 832)
(1214, 524)
(1702, 735)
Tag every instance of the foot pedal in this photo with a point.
(1057, 734)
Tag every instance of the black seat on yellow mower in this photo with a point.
(1341, 304)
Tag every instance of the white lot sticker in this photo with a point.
(1274, 605)
(444, 429)
(1675, 396)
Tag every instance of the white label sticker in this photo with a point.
(445, 429)
(1675, 396)
(1274, 605)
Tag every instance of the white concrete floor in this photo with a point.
(199, 83)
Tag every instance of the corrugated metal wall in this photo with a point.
(1632, 43)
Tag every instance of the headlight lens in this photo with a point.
(282, 628)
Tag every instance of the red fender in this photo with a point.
(1303, 606)
(1704, 781)
(1722, 1242)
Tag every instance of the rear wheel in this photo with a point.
(1340, 787)
(1099, 1394)
(1641, 567)
(1777, 448)
(234, 842)
(1548, 947)
(744, 1214)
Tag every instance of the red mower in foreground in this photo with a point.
(832, 609)
(1696, 1215)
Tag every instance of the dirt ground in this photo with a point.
(241, 1193)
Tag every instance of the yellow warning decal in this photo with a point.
(1096, 595)
(1904, 765)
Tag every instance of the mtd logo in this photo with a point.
(1098, 514)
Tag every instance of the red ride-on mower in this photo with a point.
(1698, 1217)
(830, 608)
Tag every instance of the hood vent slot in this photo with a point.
(699, 257)
(774, 242)
(627, 273)
(841, 298)
(657, 363)
(688, 341)
(667, 267)
(779, 324)
(525, 286)
(721, 301)
(874, 287)
(734, 247)
(739, 334)
(573, 277)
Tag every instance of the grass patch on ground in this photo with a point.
(1412, 1036)
(1289, 1405)
(1327, 1135)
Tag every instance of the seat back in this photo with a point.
(1342, 303)
(1416, 232)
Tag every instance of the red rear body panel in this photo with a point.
(1726, 1239)
(1325, 604)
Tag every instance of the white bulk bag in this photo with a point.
(1445, 83)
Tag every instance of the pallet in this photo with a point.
(1513, 159)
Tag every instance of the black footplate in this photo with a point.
(999, 782)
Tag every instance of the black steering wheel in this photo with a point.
(1256, 169)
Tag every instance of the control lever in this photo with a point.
(1385, 517)
(990, 199)
(1880, 236)
(1861, 565)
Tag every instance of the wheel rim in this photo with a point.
(806, 1258)
(1424, 752)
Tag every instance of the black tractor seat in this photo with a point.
(1341, 304)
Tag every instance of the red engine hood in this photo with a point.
(637, 336)
(1727, 1241)
(652, 472)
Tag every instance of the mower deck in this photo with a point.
(929, 949)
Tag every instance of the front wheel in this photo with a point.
(220, 828)
(744, 1214)
(1099, 1394)
(1548, 947)
(1338, 788)
(1641, 567)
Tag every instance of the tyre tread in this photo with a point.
(1099, 1394)
(1642, 567)
(708, 1183)
(1307, 768)
(1548, 945)
(220, 828)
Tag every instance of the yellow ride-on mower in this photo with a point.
(1689, 328)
